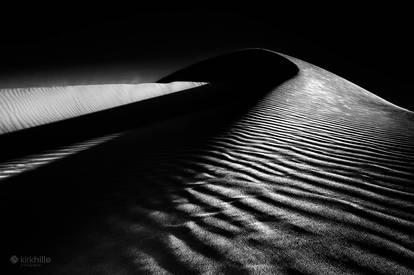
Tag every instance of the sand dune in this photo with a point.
(314, 176)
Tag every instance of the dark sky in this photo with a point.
(371, 46)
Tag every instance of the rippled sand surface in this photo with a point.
(315, 177)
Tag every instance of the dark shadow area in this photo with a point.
(370, 46)
(231, 79)
(45, 211)
(257, 67)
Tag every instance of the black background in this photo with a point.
(69, 44)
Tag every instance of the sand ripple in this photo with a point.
(316, 177)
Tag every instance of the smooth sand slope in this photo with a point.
(312, 176)
(25, 108)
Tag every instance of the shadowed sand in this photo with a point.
(308, 173)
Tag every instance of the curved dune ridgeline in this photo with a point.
(274, 166)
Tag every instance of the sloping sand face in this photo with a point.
(314, 177)
(25, 108)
